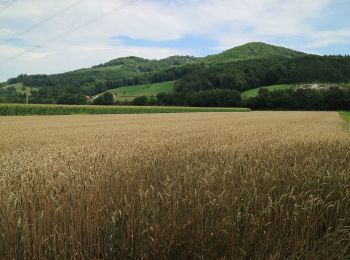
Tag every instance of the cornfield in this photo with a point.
(259, 185)
(22, 110)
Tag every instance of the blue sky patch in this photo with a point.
(199, 45)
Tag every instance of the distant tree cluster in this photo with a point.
(10, 95)
(32, 80)
(144, 101)
(332, 99)
(206, 98)
(104, 99)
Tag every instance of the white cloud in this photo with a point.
(327, 38)
(230, 22)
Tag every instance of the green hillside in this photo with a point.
(134, 70)
(254, 92)
(254, 50)
(129, 68)
(144, 65)
(131, 92)
(20, 88)
(125, 69)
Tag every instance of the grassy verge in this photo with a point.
(346, 116)
(22, 110)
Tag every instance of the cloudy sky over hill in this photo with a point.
(70, 34)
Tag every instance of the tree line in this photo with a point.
(249, 74)
(332, 99)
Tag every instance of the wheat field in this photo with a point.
(259, 185)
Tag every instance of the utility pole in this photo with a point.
(27, 98)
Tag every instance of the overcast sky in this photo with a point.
(159, 28)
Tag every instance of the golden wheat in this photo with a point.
(260, 185)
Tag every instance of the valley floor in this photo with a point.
(259, 185)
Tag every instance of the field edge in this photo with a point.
(346, 118)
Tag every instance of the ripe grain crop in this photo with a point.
(260, 185)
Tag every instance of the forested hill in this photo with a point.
(242, 68)
(253, 50)
(134, 70)
(123, 71)
(244, 75)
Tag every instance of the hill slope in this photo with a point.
(253, 50)
(130, 67)
(121, 68)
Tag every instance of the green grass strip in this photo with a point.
(346, 116)
(26, 110)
